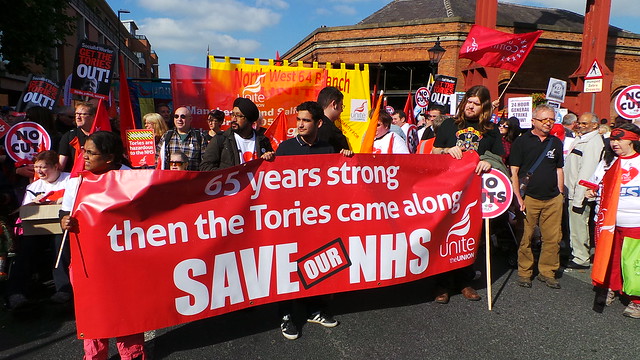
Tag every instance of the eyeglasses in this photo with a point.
(238, 116)
(176, 162)
(504, 126)
(546, 121)
(92, 153)
(82, 114)
(181, 116)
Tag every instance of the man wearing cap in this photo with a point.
(182, 138)
(240, 143)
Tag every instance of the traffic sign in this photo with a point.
(595, 71)
(24, 140)
(628, 102)
(422, 97)
(497, 193)
(592, 86)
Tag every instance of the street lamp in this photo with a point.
(121, 11)
(435, 55)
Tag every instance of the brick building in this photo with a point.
(394, 41)
(95, 21)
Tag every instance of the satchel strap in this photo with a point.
(539, 160)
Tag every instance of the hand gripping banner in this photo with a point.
(160, 248)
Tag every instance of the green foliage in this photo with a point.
(29, 30)
(539, 99)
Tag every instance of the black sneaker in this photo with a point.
(322, 319)
(288, 328)
(572, 265)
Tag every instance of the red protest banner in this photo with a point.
(493, 48)
(264, 232)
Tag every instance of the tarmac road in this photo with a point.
(399, 322)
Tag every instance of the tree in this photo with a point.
(29, 30)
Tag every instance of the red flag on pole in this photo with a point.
(408, 109)
(277, 131)
(497, 49)
(126, 110)
(78, 162)
(101, 120)
(278, 60)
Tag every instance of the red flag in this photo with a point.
(374, 99)
(277, 131)
(493, 48)
(278, 60)
(101, 121)
(408, 109)
(126, 110)
(606, 222)
(78, 163)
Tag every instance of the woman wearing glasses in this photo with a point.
(509, 131)
(103, 153)
(215, 120)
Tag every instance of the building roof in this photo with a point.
(510, 15)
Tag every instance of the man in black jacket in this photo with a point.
(331, 99)
(240, 143)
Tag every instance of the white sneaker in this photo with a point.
(632, 310)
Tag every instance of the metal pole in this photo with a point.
(593, 102)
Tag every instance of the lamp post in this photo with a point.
(435, 55)
(121, 11)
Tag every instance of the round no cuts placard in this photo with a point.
(25, 139)
(497, 193)
(628, 102)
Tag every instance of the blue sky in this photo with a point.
(181, 30)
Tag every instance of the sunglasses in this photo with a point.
(504, 126)
(176, 162)
(181, 116)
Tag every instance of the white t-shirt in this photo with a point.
(41, 186)
(628, 214)
(246, 148)
(390, 143)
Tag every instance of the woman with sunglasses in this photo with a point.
(103, 153)
(509, 131)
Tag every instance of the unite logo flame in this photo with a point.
(361, 108)
(255, 87)
(461, 228)
(474, 45)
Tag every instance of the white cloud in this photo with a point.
(220, 15)
(323, 11)
(279, 4)
(345, 10)
(169, 34)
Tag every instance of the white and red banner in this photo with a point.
(264, 232)
(492, 48)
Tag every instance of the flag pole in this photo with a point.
(505, 88)
(66, 232)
